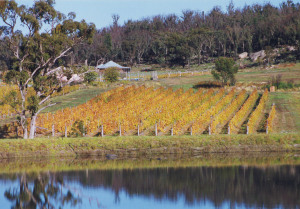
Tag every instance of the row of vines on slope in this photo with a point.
(132, 109)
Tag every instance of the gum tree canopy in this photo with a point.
(38, 44)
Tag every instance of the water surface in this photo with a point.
(214, 181)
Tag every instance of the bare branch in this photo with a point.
(49, 105)
(53, 71)
(61, 55)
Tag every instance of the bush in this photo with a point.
(111, 75)
(90, 76)
(279, 84)
(225, 70)
(78, 128)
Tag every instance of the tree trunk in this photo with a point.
(23, 113)
(32, 126)
(25, 132)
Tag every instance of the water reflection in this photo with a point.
(193, 187)
(40, 191)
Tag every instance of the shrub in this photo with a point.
(111, 75)
(90, 76)
(225, 70)
(78, 128)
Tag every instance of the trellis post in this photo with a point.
(53, 130)
(66, 132)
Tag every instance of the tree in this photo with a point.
(178, 49)
(225, 70)
(197, 40)
(111, 75)
(38, 55)
(90, 76)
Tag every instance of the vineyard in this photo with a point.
(148, 111)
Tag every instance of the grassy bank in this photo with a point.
(137, 146)
(29, 165)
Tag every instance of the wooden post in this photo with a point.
(17, 131)
(247, 130)
(267, 131)
(53, 131)
(66, 132)
(155, 129)
(83, 134)
(102, 131)
(138, 133)
(228, 129)
(120, 130)
(191, 130)
(209, 127)
(172, 131)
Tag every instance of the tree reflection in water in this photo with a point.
(43, 190)
(267, 187)
(256, 187)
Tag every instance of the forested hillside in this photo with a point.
(194, 36)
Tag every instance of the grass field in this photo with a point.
(288, 110)
(75, 98)
(148, 145)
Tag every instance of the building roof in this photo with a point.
(110, 64)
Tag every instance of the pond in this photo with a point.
(208, 181)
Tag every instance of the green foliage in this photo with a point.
(90, 76)
(225, 70)
(111, 75)
(178, 49)
(32, 104)
(78, 128)
(14, 76)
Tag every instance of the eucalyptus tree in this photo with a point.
(46, 37)
(197, 41)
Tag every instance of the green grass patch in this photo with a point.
(75, 98)
(147, 145)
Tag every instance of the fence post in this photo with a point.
(247, 130)
(267, 131)
(101, 130)
(53, 131)
(138, 130)
(191, 130)
(66, 132)
(229, 129)
(172, 131)
(120, 130)
(209, 130)
(155, 129)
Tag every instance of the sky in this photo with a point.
(100, 12)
